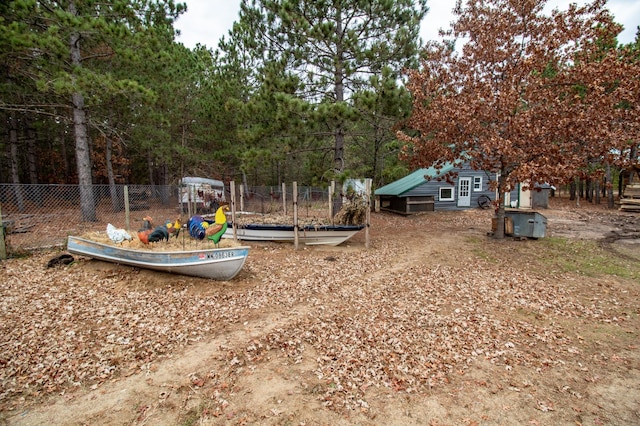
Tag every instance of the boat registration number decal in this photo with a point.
(219, 255)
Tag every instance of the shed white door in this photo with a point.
(464, 192)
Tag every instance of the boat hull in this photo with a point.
(218, 264)
(331, 235)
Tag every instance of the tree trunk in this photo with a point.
(609, 187)
(15, 162)
(32, 157)
(34, 192)
(338, 154)
(572, 191)
(63, 148)
(117, 201)
(499, 234)
(621, 177)
(83, 156)
(83, 160)
(14, 157)
(164, 185)
(150, 167)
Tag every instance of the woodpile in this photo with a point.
(630, 201)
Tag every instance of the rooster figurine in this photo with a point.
(159, 233)
(147, 228)
(163, 232)
(117, 235)
(215, 230)
(173, 227)
(197, 227)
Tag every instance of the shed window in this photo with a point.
(446, 193)
(477, 183)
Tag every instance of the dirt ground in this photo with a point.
(435, 324)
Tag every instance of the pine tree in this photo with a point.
(332, 47)
(61, 50)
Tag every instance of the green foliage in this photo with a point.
(393, 173)
(266, 103)
(311, 59)
(117, 48)
(379, 110)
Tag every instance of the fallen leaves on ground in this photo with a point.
(390, 317)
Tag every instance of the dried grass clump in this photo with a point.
(183, 242)
(353, 212)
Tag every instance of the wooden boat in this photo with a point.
(330, 235)
(218, 264)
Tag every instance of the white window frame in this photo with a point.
(448, 188)
(477, 183)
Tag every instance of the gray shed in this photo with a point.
(540, 196)
(426, 190)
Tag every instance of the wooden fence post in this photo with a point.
(242, 188)
(232, 188)
(284, 198)
(367, 190)
(3, 248)
(295, 215)
(332, 189)
(127, 212)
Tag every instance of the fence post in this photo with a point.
(295, 215)
(127, 216)
(242, 189)
(367, 190)
(284, 198)
(3, 248)
(332, 189)
(232, 188)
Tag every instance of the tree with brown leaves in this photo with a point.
(531, 97)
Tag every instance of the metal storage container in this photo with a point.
(527, 223)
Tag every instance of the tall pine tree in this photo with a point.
(62, 47)
(332, 47)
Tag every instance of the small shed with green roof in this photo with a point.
(428, 190)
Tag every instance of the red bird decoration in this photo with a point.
(146, 230)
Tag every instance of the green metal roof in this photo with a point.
(412, 180)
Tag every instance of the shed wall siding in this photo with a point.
(431, 188)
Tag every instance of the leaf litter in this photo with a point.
(412, 315)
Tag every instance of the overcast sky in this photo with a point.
(206, 21)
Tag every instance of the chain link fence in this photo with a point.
(278, 200)
(42, 216)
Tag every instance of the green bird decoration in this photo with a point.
(215, 230)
